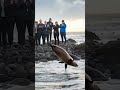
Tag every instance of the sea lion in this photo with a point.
(63, 55)
(89, 83)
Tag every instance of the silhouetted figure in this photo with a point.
(29, 16)
(0, 25)
(63, 31)
(10, 12)
(50, 27)
(20, 18)
(36, 34)
(46, 32)
(41, 32)
(3, 26)
(56, 32)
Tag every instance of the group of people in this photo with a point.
(19, 12)
(44, 31)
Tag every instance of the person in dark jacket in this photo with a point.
(0, 25)
(56, 32)
(41, 32)
(20, 24)
(10, 12)
(63, 31)
(3, 24)
(50, 27)
(29, 16)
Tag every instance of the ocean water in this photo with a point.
(106, 27)
(79, 37)
(52, 76)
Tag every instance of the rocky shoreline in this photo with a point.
(17, 63)
(104, 57)
(44, 53)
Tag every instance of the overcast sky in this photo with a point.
(72, 11)
(102, 6)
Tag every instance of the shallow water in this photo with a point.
(52, 76)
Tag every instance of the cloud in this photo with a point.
(60, 8)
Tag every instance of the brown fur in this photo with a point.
(63, 55)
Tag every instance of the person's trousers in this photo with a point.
(47, 36)
(0, 32)
(63, 36)
(56, 37)
(50, 35)
(3, 31)
(43, 38)
(29, 23)
(36, 38)
(20, 24)
(10, 29)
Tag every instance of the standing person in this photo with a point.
(20, 24)
(10, 12)
(46, 31)
(29, 17)
(0, 24)
(50, 27)
(56, 32)
(41, 32)
(3, 25)
(63, 31)
(36, 35)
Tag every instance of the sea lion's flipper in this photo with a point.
(65, 66)
(61, 62)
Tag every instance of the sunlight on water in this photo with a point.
(52, 76)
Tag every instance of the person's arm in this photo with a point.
(64, 26)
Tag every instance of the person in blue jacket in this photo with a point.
(63, 31)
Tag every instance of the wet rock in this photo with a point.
(20, 71)
(20, 82)
(43, 60)
(95, 74)
(4, 78)
(71, 41)
(2, 68)
(32, 74)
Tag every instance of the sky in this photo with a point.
(102, 6)
(72, 11)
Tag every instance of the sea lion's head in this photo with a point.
(74, 64)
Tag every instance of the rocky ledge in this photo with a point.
(44, 53)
